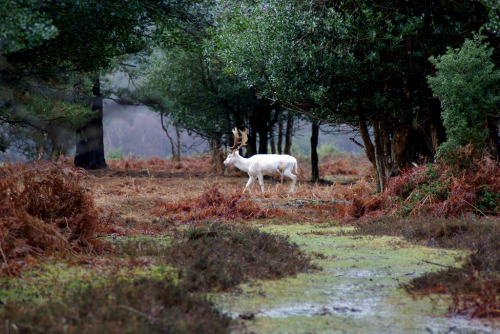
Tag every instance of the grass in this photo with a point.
(174, 224)
(474, 287)
(142, 306)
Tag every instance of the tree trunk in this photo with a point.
(165, 129)
(379, 156)
(178, 133)
(90, 142)
(273, 143)
(369, 148)
(263, 140)
(280, 137)
(436, 128)
(217, 157)
(314, 151)
(399, 146)
(288, 135)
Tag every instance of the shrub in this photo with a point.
(438, 190)
(215, 206)
(143, 306)
(44, 210)
(219, 256)
(466, 82)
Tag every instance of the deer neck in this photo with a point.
(242, 163)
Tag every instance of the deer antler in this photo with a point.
(237, 143)
(236, 140)
(244, 138)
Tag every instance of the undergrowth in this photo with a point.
(186, 165)
(212, 205)
(475, 287)
(438, 205)
(471, 186)
(142, 306)
(219, 256)
(44, 211)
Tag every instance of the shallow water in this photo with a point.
(356, 292)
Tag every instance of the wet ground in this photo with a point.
(358, 290)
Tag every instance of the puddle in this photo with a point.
(356, 292)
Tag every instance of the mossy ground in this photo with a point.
(358, 290)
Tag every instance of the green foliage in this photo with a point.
(24, 25)
(85, 35)
(115, 154)
(493, 23)
(467, 85)
(44, 44)
(41, 117)
(193, 92)
(488, 199)
(328, 149)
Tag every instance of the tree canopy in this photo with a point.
(351, 61)
(54, 51)
(221, 64)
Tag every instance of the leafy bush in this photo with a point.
(328, 149)
(467, 85)
(115, 154)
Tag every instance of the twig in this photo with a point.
(3, 254)
(438, 264)
(356, 142)
(131, 309)
(481, 212)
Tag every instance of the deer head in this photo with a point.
(238, 143)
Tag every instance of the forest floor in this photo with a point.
(358, 289)
(354, 285)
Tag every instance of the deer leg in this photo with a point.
(250, 180)
(289, 174)
(261, 181)
(281, 174)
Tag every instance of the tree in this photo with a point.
(353, 62)
(84, 37)
(467, 85)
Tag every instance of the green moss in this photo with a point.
(357, 291)
(54, 281)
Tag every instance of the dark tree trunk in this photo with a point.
(399, 146)
(314, 151)
(288, 135)
(90, 143)
(436, 127)
(263, 139)
(218, 156)
(369, 147)
(280, 137)
(273, 143)
(178, 133)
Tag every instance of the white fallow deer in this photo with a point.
(261, 164)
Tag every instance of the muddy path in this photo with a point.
(358, 290)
